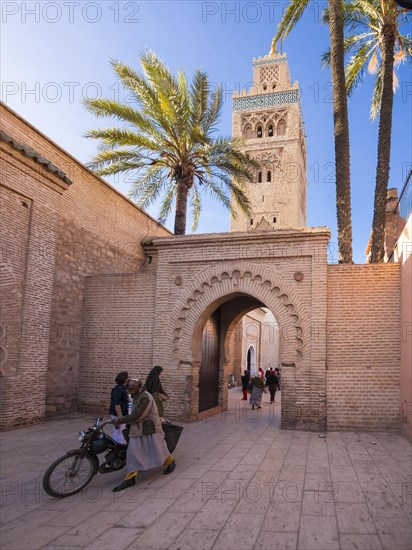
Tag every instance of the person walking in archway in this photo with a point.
(245, 384)
(258, 388)
(273, 385)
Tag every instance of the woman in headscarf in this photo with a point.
(153, 385)
(257, 390)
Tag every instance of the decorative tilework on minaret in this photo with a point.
(268, 118)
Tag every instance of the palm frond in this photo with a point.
(167, 203)
(290, 18)
(355, 69)
(373, 64)
(377, 94)
(196, 207)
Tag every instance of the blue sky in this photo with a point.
(55, 53)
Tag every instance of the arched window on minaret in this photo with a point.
(270, 131)
(259, 179)
(259, 132)
(269, 176)
(281, 127)
(248, 132)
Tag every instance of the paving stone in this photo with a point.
(282, 516)
(193, 472)
(270, 540)
(318, 503)
(292, 473)
(348, 491)
(195, 497)
(87, 531)
(162, 533)
(119, 538)
(145, 513)
(354, 518)
(339, 472)
(318, 482)
(214, 514)
(174, 488)
(383, 505)
(395, 533)
(314, 466)
(226, 464)
(190, 539)
(360, 542)
(240, 532)
(318, 533)
(34, 520)
(203, 503)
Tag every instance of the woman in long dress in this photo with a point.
(257, 391)
(147, 447)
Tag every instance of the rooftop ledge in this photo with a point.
(234, 237)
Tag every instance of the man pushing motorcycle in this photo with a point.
(147, 448)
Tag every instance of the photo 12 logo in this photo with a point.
(69, 12)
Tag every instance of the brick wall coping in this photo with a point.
(32, 154)
(82, 166)
(244, 237)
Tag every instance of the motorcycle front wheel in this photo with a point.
(69, 474)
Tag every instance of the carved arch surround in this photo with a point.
(246, 278)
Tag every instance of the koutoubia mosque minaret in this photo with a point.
(268, 117)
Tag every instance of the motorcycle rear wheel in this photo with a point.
(60, 482)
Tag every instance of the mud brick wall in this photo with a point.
(363, 347)
(30, 197)
(117, 334)
(89, 229)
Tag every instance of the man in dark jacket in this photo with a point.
(245, 384)
(273, 385)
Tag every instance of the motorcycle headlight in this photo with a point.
(81, 436)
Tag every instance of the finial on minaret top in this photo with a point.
(273, 48)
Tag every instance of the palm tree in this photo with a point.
(379, 47)
(169, 143)
(290, 18)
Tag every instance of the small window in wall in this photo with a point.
(259, 177)
(274, 220)
(263, 198)
(269, 176)
(251, 222)
(259, 132)
(270, 131)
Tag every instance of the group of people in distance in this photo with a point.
(258, 384)
(147, 447)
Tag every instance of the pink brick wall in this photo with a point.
(363, 347)
(90, 229)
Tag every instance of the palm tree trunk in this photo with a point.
(341, 132)
(181, 207)
(384, 148)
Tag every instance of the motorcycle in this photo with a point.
(70, 473)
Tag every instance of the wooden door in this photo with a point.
(209, 369)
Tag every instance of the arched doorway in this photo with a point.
(251, 361)
(238, 335)
(238, 288)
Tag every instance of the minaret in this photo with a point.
(268, 118)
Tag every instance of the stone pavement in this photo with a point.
(240, 483)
